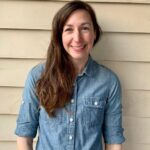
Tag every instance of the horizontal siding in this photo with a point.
(137, 129)
(23, 43)
(25, 30)
(105, 1)
(113, 46)
(117, 1)
(9, 145)
(135, 146)
(38, 15)
(123, 47)
(6, 145)
(136, 103)
(14, 72)
(132, 75)
(11, 98)
(8, 125)
(127, 146)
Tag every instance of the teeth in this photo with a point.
(78, 46)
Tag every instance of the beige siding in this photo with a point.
(11, 98)
(137, 125)
(25, 28)
(7, 124)
(123, 47)
(114, 17)
(132, 75)
(26, 44)
(106, 1)
(138, 72)
(14, 71)
(8, 145)
(136, 103)
(23, 43)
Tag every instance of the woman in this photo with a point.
(71, 100)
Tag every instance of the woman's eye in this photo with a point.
(85, 28)
(68, 30)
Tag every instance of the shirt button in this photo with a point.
(95, 103)
(72, 101)
(71, 119)
(70, 137)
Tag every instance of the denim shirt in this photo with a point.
(93, 112)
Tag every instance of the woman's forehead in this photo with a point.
(79, 16)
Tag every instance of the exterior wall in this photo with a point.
(25, 28)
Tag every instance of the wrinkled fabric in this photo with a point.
(94, 111)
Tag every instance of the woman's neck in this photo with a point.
(79, 65)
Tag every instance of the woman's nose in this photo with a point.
(77, 36)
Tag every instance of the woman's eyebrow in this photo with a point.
(69, 25)
(85, 23)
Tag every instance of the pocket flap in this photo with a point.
(95, 102)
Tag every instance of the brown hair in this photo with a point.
(55, 86)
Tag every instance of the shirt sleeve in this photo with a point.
(112, 126)
(27, 122)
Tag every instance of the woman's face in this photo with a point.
(78, 35)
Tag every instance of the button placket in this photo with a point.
(72, 101)
(71, 119)
(70, 137)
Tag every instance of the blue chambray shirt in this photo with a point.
(94, 112)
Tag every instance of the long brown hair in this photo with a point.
(55, 86)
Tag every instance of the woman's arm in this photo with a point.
(113, 147)
(24, 143)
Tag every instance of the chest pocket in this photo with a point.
(93, 111)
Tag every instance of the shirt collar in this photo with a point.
(88, 69)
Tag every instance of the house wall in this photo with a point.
(25, 28)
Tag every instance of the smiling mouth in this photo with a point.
(78, 48)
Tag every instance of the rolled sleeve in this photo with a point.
(27, 121)
(112, 127)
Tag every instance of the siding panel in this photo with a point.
(136, 103)
(6, 145)
(14, 72)
(7, 124)
(113, 46)
(123, 47)
(38, 15)
(132, 75)
(137, 129)
(24, 37)
(10, 100)
(9, 145)
(135, 146)
(23, 43)
(106, 1)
